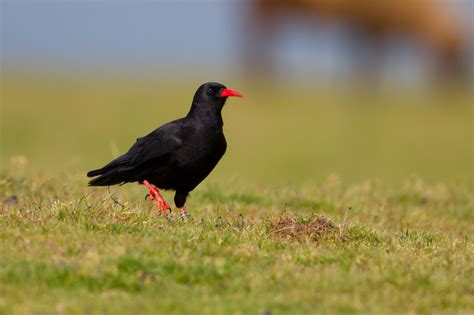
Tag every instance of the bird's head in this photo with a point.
(214, 94)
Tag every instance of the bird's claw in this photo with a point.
(183, 214)
(163, 206)
(153, 194)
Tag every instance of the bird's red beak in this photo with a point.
(227, 92)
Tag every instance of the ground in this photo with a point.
(272, 230)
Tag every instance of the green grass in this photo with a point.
(275, 135)
(71, 249)
(402, 206)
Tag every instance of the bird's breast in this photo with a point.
(203, 148)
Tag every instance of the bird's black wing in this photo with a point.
(151, 147)
(158, 143)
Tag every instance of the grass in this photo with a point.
(71, 249)
(271, 230)
(276, 135)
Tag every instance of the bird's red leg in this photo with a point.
(161, 203)
(183, 213)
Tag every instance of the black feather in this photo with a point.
(177, 155)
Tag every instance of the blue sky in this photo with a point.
(148, 35)
(99, 33)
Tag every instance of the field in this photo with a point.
(326, 202)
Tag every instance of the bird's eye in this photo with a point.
(210, 91)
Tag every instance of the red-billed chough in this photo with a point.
(176, 156)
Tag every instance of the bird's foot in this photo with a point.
(183, 213)
(163, 207)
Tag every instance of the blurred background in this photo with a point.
(362, 89)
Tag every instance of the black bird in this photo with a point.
(176, 156)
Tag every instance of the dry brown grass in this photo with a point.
(289, 226)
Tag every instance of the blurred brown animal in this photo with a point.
(428, 21)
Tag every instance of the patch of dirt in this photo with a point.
(10, 201)
(293, 227)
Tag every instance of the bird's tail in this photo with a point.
(116, 172)
(110, 177)
(96, 172)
